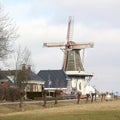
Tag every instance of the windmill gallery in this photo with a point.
(70, 79)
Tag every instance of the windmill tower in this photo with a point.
(72, 63)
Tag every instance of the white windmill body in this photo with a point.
(72, 63)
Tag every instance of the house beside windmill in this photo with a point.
(27, 80)
(73, 63)
(33, 82)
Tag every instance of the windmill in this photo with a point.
(72, 63)
(72, 59)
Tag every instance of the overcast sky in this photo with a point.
(98, 21)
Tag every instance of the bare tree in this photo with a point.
(7, 34)
(22, 57)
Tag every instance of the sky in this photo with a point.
(98, 21)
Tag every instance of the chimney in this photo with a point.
(23, 66)
(29, 68)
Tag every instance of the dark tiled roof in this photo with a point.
(4, 77)
(32, 76)
(57, 78)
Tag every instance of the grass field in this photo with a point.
(70, 111)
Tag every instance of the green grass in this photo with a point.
(69, 111)
(94, 115)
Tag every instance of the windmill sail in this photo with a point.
(72, 59)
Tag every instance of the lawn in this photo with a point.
(90, 111)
